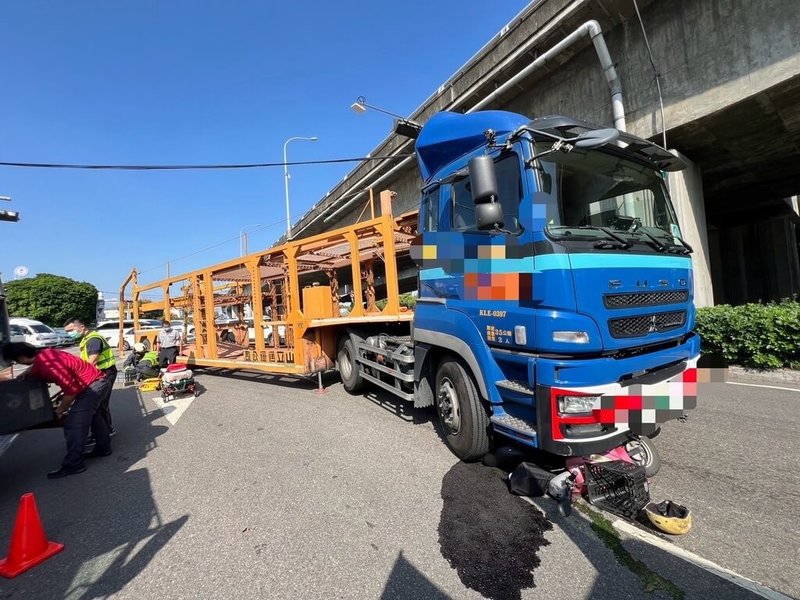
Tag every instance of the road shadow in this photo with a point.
(402, 409)
(406, 582)
(301, 383)
(107, 517)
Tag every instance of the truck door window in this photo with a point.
(463, 207)
(509, 184)
(430, 210)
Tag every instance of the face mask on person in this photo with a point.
(75, 335)
(167, 328)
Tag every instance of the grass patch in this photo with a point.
(651, 581)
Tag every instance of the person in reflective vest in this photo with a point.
(96, 350)
(145, 363)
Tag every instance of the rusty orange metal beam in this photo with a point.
(300, 353)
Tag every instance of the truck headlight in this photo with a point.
(572, 337)
(577, 405)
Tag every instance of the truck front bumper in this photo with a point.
(632, 405)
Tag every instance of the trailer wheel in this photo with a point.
(644, 453)
(348, 367)
(461, 413)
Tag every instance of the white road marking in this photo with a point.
(699, 561)
(772, 387)
(174, 409)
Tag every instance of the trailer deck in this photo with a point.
(293, 290)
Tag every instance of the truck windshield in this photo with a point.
(588, 191)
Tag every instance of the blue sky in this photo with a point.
(154, 82)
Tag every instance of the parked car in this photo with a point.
(36, 333)
(110, 330)
(17, 333)
(63, 337)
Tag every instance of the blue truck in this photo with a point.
(555, 303)
(554, 300)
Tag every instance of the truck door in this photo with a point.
(485, 275)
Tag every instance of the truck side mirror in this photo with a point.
(483, 183)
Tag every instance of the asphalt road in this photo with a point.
(261, 488)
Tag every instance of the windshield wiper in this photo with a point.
(656, 244)
(687, 249)
(610, 245)
(623, 243)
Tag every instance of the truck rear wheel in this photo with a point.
(348, 367)
(463, 418)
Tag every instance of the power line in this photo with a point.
(226, 241)
(196, 167)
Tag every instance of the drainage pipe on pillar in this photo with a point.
(592, 29)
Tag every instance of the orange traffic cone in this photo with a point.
(29, 546)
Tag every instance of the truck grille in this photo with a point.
(644, 324)
(645, 298)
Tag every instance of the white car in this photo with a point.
(36, 333)
(251, 332)
(17, 333)
(110, 331)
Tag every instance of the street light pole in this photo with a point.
(243, 247)
(402, 126)
(286, 181)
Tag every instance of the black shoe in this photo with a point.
(97, 454)
(112, 432)
(62, 472)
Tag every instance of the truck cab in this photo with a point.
(552, 266)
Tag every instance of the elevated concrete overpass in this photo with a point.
(729, 73)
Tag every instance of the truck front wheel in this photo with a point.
(348, 367)
(463, 418)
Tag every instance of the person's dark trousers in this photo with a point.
(84, 414)
(167, 356)
(146, 371)
(105, 410)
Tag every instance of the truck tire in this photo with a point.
(464, 420)
(348, 367)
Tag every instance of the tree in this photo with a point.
(51, 299)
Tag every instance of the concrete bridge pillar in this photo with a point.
(686, 189)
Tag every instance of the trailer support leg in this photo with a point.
(320, 389)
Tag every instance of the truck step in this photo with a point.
(518, 428)
(516, 386)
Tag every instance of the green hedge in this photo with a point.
(761, 336)
(406, 300)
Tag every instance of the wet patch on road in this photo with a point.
(489, 536)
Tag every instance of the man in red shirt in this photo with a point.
(83, 387)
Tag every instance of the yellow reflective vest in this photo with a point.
(106, 358)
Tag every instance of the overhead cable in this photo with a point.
(32, 165)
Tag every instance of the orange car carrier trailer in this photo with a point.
(293, 290)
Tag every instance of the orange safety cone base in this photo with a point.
(10, 571)
(29, 546)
